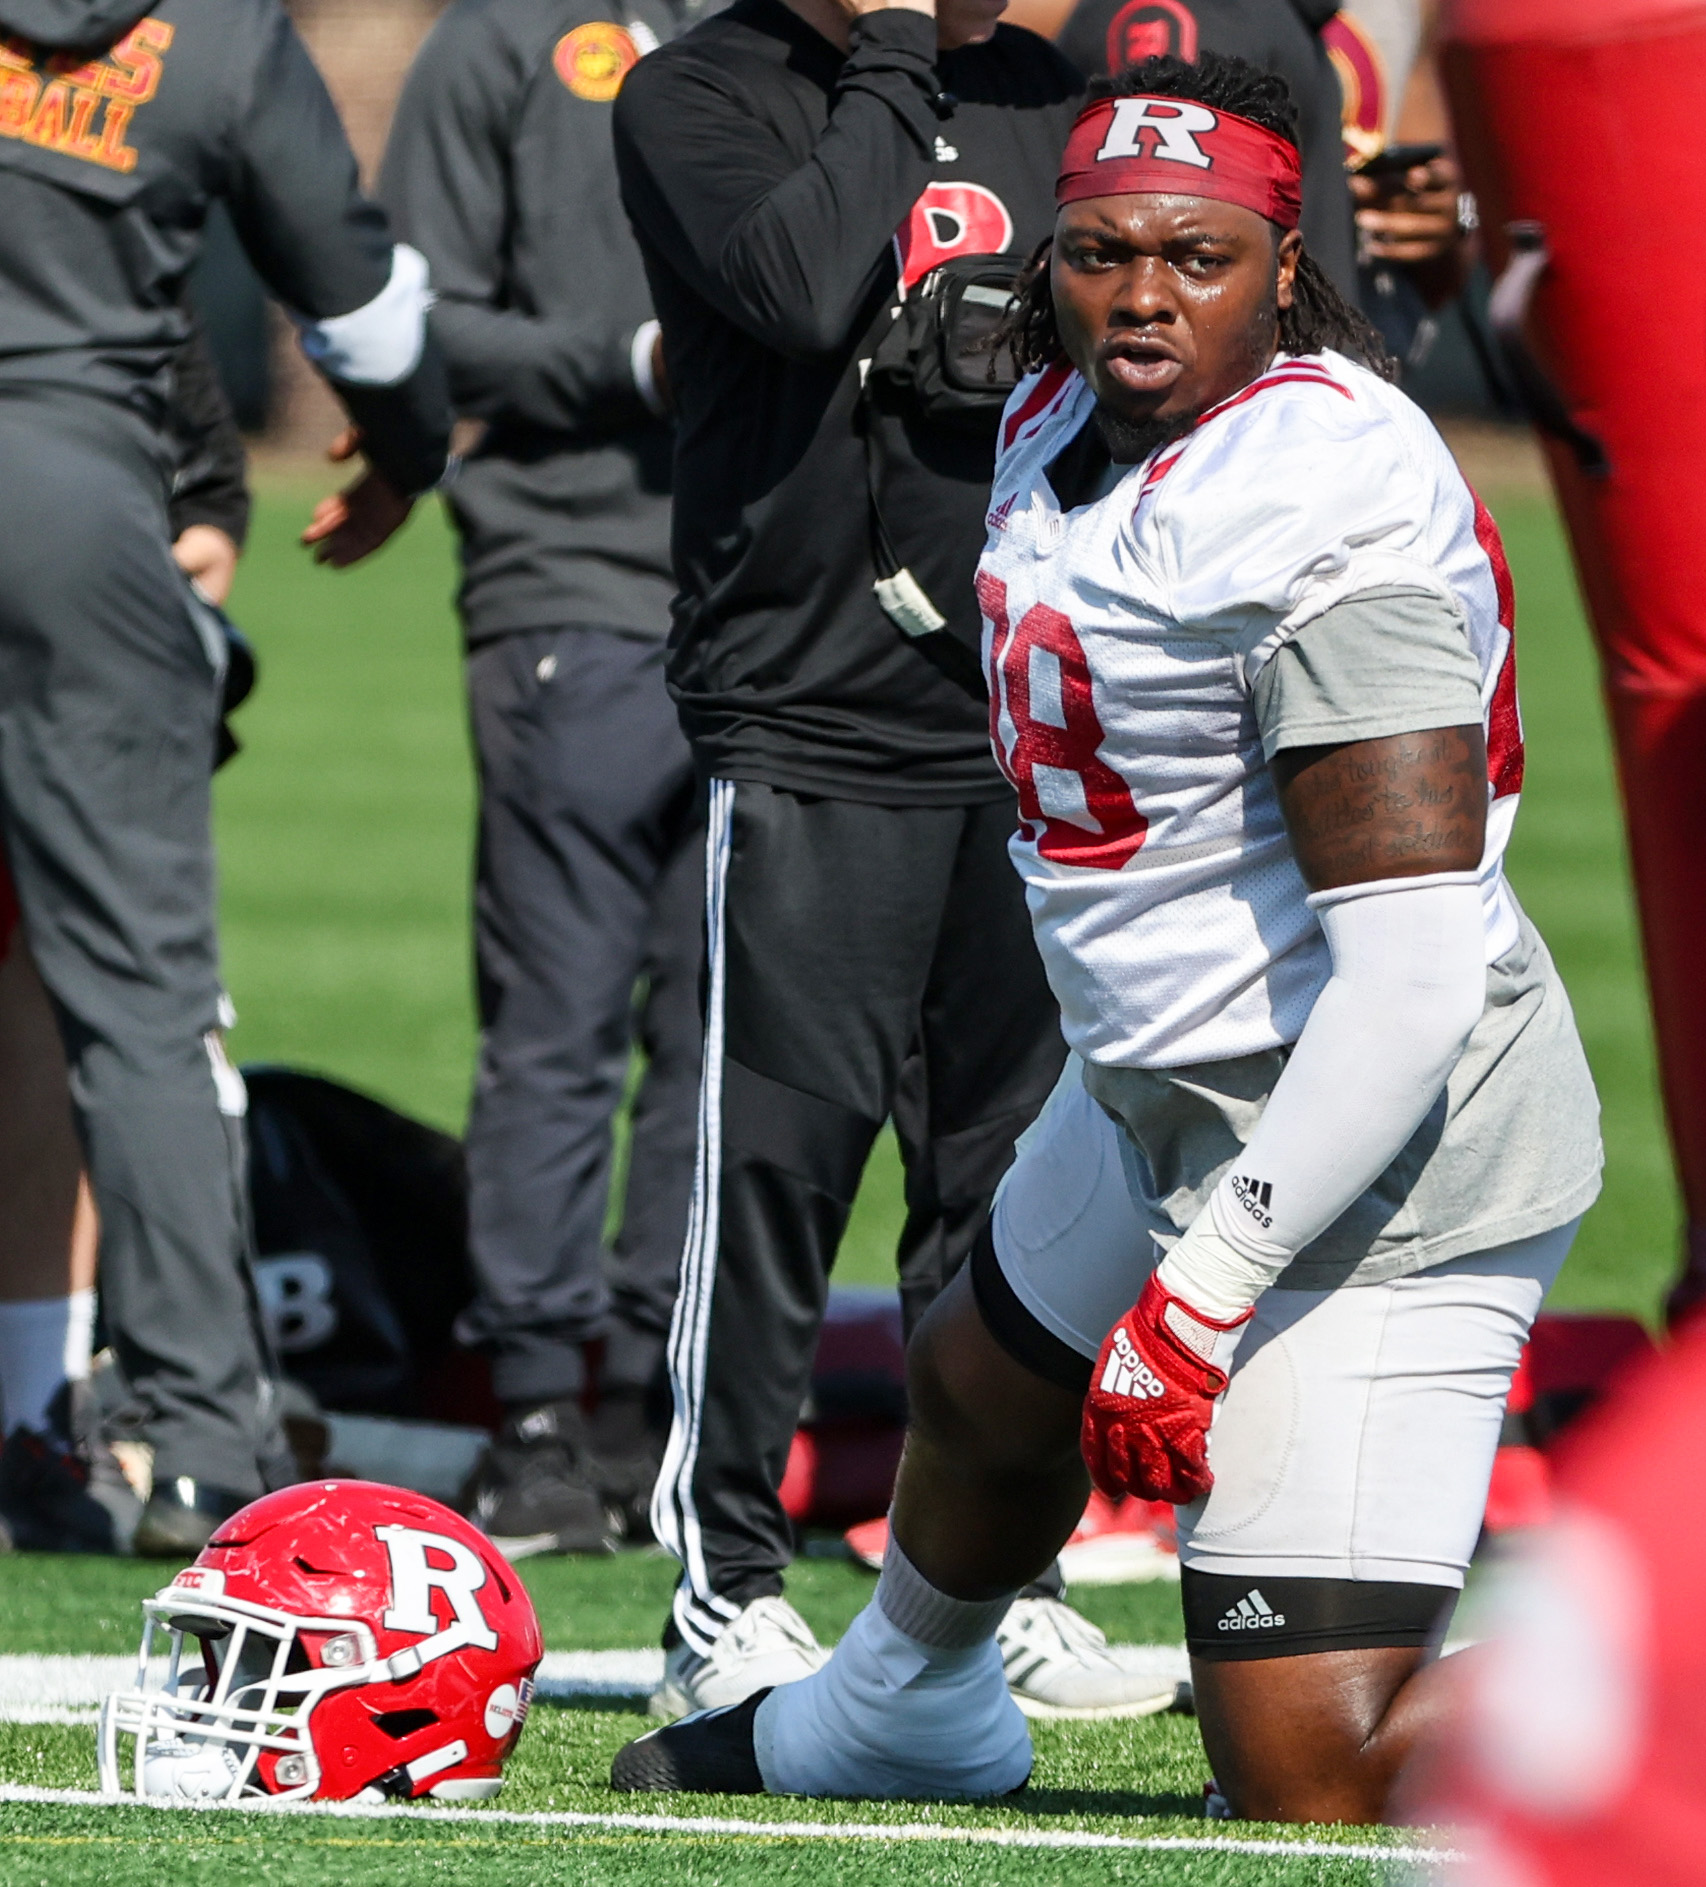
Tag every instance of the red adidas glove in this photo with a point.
(1151, 1399)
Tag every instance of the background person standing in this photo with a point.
(118, 131)
(589, 868)
(787, 167)
(60, 1488)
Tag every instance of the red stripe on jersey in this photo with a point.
(1159, 472)
(1504, 717)
(1298, 374)
(1053, 378)
(1284, 377)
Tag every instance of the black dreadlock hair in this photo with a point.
(1319, 316)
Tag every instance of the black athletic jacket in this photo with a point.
(768, 178)
(500, 171)
(1280, 36)
(118, 126)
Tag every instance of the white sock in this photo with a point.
(896, 1715)
(36, 1340)
(920, 1610)
(80, 1335)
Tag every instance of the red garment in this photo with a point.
(1177, 147)
(1570, 116)
(1578, 1758)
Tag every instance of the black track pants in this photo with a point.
(862, 961)
(589, 882)
(108, 705)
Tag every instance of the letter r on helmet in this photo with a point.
(413, 1577)
(1159, 128)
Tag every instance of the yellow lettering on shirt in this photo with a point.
(83, 111)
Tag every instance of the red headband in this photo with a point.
(1176, 147)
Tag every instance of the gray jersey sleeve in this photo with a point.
(447, 184)
(1386, 662)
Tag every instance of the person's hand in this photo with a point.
(208, 557)
(1410, 218)
(1151, 1400)
(352, 524)
(853, 9)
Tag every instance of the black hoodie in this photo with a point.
(777, 186)
(117, 129)
(56, 23)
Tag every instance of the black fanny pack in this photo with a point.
(940, 362)
(941, 350)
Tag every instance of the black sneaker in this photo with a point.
(108, 1486)
(182, 1515)
(533, 1493)
(45, 1501)
(710, 1753)
(625, 1452)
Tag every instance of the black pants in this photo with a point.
(863, 961)
(589, 886)
(108, 705)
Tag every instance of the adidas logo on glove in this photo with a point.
(1127, 1374)
(1252, 1613)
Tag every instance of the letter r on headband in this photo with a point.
(1170, 122)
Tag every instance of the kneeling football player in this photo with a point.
(1328, 1128)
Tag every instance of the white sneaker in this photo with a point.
(891, 1720)
(1058, 1665)
(768, 1643)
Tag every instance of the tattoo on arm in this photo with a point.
(1392, 808)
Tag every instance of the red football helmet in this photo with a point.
(335, 1640)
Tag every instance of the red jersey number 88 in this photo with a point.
(1107, 830)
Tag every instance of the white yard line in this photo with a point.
(773, 1830)
(70, 1689)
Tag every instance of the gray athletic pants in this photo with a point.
(108, 705)
(589, 884)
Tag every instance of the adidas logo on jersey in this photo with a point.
(1127, 1373)
(998, 518)
(1255, 1196)
(1252, 1613)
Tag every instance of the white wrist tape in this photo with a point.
(1409, 983)
(378, 344)
(640, 366)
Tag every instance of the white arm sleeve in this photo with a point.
(1409, 983)
(378, 344)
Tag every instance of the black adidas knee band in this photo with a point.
(1255, 1616)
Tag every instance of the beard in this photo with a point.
(1130, 441)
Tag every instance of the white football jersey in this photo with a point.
(1121, 639)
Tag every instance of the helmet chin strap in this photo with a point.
(405, 1663)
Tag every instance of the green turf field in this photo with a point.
(344, 832)
(1135, 1782)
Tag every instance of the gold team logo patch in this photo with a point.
(593, 60)
(82, 110)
